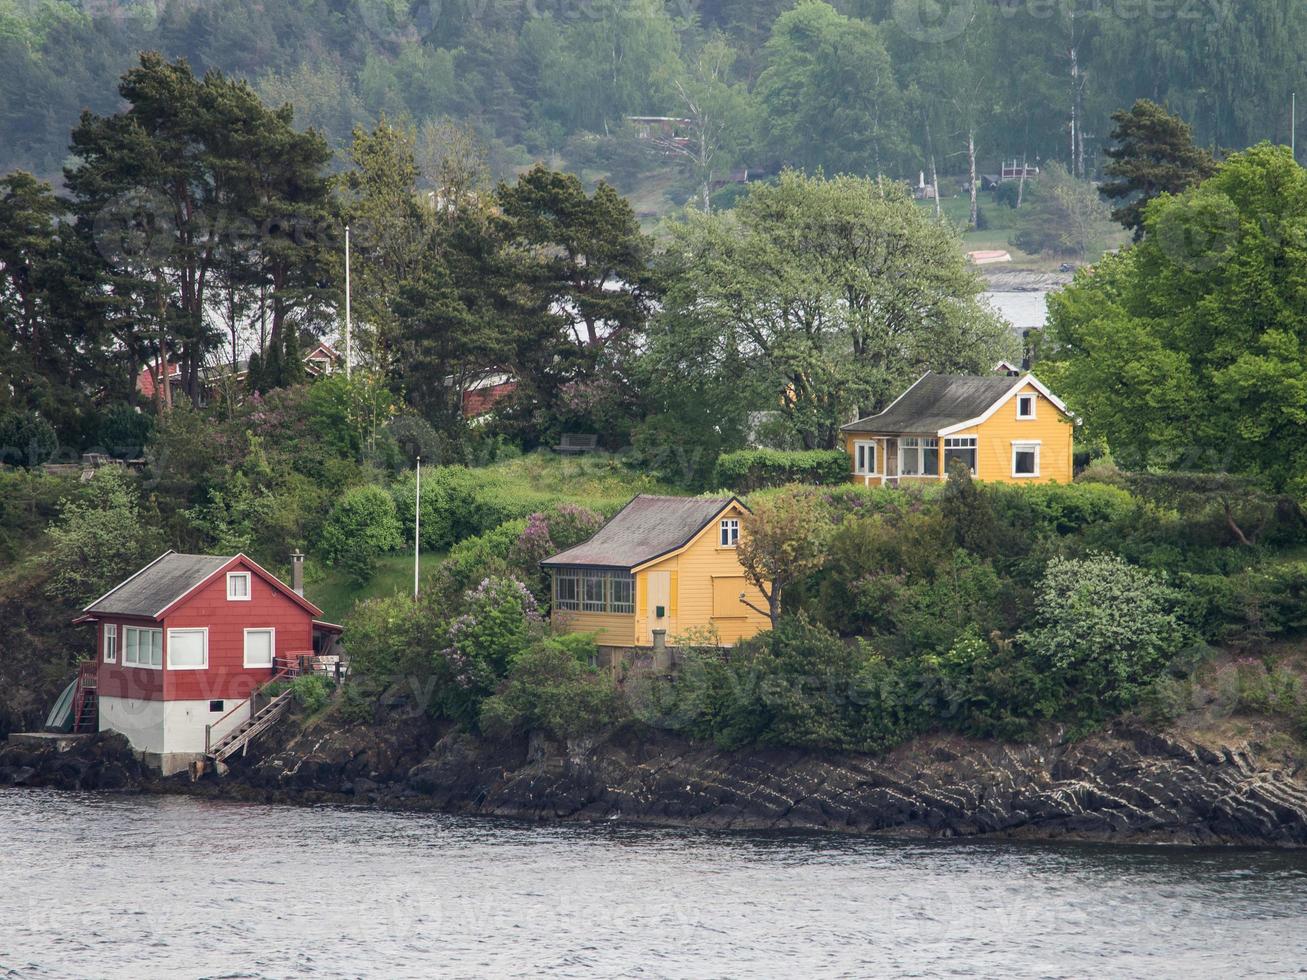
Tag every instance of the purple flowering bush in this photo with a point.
(499, 620)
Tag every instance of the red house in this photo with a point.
(183, 645)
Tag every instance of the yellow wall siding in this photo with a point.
(1050, 428)
(614, 629)
(693, 572)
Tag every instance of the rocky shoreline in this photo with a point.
(1129, 785)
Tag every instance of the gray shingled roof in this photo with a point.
(644, 529)
(158, 584)
(936, 402)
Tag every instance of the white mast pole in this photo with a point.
(348, 349)
(417, 528)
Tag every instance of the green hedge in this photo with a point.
(754, 469)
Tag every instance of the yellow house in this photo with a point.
(662, 563)
(1007, 428)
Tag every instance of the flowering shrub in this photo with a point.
(499, 621)
(548, 533)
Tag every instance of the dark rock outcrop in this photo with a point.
(1127, 785)
(95, 762)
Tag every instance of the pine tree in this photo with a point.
(1155, 154)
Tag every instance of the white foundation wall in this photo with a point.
(168, 727)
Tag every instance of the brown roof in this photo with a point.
(646, 528)
(937, 401)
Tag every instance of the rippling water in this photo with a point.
(1024, 310)
(155, 886)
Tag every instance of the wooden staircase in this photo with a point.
(239, 738)
(86, 701)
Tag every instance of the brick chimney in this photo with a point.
(297, 571)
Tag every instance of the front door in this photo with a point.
(660, 602)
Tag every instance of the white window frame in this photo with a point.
(204, 633)
(729, 534)
(1026, 398)
(1025, 447)
(919, 447)
(109, 633)
(962, 442)
(127, 631)
(249, 586)
(272, 647)
(860, 449)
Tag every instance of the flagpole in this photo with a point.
(348, 350)
(417, 528)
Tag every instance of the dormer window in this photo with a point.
(238, 586)
(730, 533)
(1025, 406)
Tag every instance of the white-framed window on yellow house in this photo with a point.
(963, 448)
(730, 532)
(1026, 406)
(1025, 460)
(918, 456)
(864, 459)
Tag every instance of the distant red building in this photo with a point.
(484, 395)
(183, 644)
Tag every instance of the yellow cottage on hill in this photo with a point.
(662, 563)
(1008, 429)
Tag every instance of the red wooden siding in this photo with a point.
(226, 676)
(118, 681)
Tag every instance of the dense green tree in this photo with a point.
(1062, 215)
(828, 97)
(1154, 154)
(586, 269)
(1187, 350)
(820, 298)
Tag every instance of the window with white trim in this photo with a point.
(1025, 459)
(110, 643)
(142, 647)
(188, 649)
(864, 459)
(1025, 406)
(594, 591)
(918, 456)
(730, 532)
(260, 645)
(238, 586)
(963, 448)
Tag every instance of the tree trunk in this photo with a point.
(971, 166)
(934, 171)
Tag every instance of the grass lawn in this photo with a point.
(335, 594)
(541, 479)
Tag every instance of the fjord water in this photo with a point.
(173, 886)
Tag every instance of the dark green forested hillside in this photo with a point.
(863, 86)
